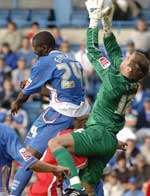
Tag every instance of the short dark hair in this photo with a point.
(12, 23)
(35, 23)
(5, 44)
(44, 38)
(121, 156)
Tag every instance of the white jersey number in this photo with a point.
(74, 68)
(124, 104)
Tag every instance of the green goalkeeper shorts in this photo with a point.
(99, 145)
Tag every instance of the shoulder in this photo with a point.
(45, 60)
(44, 64)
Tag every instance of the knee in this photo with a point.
(54, 144)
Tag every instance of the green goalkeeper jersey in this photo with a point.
(116, 91)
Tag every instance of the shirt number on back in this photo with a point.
(124, 104)
(74, 69)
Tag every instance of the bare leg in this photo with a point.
(65, 141)
(59, 146)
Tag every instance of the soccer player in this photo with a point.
(12, 149)
(63, 78)
(46, 183)
(119, 84)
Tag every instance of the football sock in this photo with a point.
(21, 179)
(64, 158)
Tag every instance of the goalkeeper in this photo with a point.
(119, 85)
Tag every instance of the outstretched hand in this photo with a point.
(60, 172)
(107, 15)
(94, 8)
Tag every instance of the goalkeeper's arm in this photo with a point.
(111, 45)
(95, 56)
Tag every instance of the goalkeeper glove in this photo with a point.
(107, 10)
(94, 8)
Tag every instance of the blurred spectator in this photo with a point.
(91, 81)
(128, 131)
(126, 9)
(26, 52)
(130, 47)
(121, 10)
(65, 47)
(138, 101)
(121, 169)
(144, 115)
(20, 74)
(2, 78)
(10, 57)
(131, 152)
(57, 35)
(34, 30)
(4, 67)
(3, 114)
(112, 186)
(134, 8)
(141, 36)
(141, 171)
(146, 188)
(20, 123)
(11, 36)
(144, 4)
(81, 56)
(10, 93)
(132, 188)
(145, 149)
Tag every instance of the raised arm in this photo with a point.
(98, 61)
(111, 45)
(113, 50)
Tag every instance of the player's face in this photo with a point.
(37, 50)
(130, 69)
(40, 50)
(124, 67)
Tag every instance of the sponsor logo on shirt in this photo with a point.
(26, 155)
(105, 63)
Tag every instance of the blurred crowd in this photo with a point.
(128, 173)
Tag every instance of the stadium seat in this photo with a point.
(79, 18)
(20, 17)
(146, 14)
(4, 17)
(124, 24)
(44, 17)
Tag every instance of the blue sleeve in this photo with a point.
(40, 74)
(18, 152)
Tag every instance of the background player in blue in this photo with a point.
(63, 78)
(12, 149)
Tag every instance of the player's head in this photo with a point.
(42, 43)
(135, 66)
